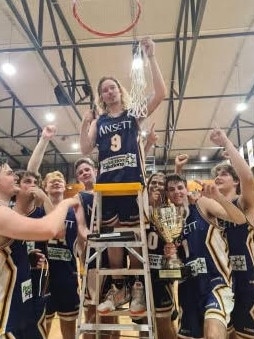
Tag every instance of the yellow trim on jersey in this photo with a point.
(8, 274)
(218, 250)
(250, 242)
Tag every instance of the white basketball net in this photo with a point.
(138, 100)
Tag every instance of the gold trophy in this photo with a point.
(169, 220)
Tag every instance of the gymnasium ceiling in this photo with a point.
(204, 48)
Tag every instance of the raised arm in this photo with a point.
(180, 161)
(88, 133)
(216, 205)
(159, 87)
(241, 167)
(83, 231)
(16, 226)
(41, 199)
(39, 151)
(151, 139)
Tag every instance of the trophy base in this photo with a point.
(176, 273)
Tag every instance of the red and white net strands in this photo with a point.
(138, 104)
(106, 18)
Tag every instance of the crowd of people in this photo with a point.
(42, 234)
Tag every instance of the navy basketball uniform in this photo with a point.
(16, 306)
(208, 293)
(63, 276)
(119, 161)
(40, 277)
(162, 290)
(241, 250)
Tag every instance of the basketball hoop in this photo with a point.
(77, 16)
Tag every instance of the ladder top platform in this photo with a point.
(122, 188)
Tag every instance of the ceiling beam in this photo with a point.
(88, 103)
(126, 42)
(26, 112)
(39, 50)
(29, 17)
(237, 119)
(10, 157)
(196, 13)
(74, 43)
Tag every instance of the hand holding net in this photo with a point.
(138, 85)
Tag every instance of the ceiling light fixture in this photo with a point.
(50, 117)
(204, 158)
(241, 107)
(75, 146)
(8, 69)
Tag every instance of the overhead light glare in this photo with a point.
(75, 146)
(8, 69)
(204, 158)
(241, 107)
(50, 117)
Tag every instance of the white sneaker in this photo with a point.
(114, 298)
(138, 303)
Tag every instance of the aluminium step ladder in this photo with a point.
(149, 327)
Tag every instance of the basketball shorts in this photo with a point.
(120, 211)
(164, 303)
(203, 298)
(243, 312)
(64, 299)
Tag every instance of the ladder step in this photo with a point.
(122, 312)
(112, 236)
(121, 271)
(116, 327)
(101, 244)
(134, 240)
(130, 188)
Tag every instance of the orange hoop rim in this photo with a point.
(105, 34)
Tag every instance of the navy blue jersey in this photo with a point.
(164, 302)
(36, 213)
(87, 203)
(205, 248)
(39, 279)
(241, 250)
(60, 252)
(119, 153)
(208, 293)
(155, 246)
(16, 307)
(63, 277)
